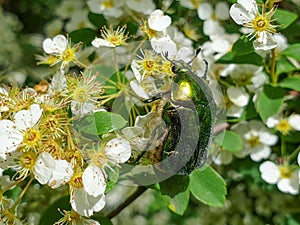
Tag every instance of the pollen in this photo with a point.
(81, 94)
(283, 126)
(116, 37)
(31, 137)
(28, 160)
(68, 55)
(285, 172)
(260, 23)
(99, 159)
(76, 180)
(108, 4)
(253, 141)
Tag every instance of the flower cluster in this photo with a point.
(100, 102)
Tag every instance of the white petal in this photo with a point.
(157, 21)
(44, 167)
(48, 46)
(289, 185)
(272, 121)
(238, 96)
(265, 42)
(298, 159)
(97, 42)
(222, 11)
(213, 28)
(205, 11)
(249, 5)
(60, 42)
(260, 152)
(10, 137)
(61, 175)
(269, 172)
(136, 87)
(184, 54)
(28, 118)
(240, 14)
(118, 150)
(164, 45)
(234, 111)
(93, 181)
(223, 158)
(136, 70)
(85, 204)
(267, 138)
(294, 121)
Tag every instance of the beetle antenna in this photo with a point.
(206, 69)
(195, 56)
(165, 54)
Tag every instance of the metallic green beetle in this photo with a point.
(189, 116)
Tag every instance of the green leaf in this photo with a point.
(292, 51)
(51, 214)
(242, 46)
(85, 35)
(284, 65)
(269, 101)
(284, 18)
(175, 192)
(208, 187)
(113, 176)
(97, 19)
(232, 141)
(291, 83)
(107, 122)
(251, 58)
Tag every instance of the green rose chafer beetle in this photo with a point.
(189, 115)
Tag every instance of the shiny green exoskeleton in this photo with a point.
(189, 116)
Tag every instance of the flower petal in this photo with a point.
(97, 42)
(222, 11)
(238, 96)
(10, 137)
(28, 118)
(93, 181)
(269, 172)
(294, 121)
(61, 175)
(44, 167)
(85, 204)
(205, 11)
(118, 150)
(157, 21)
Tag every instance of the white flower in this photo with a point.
(238, 96)
(54, 172)
(141, 6)
(284, 125)
(211, 25)
(287, 180)
(158, 21)
(164, 45)
(259, 25)
(12, 134)
(116, 151)
(109, 8)
(44, 167)
(257, 139)
(57, 45)
(78, 21)
(85, 204)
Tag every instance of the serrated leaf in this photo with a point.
(97, 19)
(284, 18)
(85, 35)
(269, 101)
(242, 46)
(291, 83)
(251, 58)
(107, 122)
(208, 187)
(232, 141)
(175, 192)
(292, 51)
(284, 65)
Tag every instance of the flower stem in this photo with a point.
(273, 66)
(23, 193)
(140, 190)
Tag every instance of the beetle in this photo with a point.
(189, 115)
